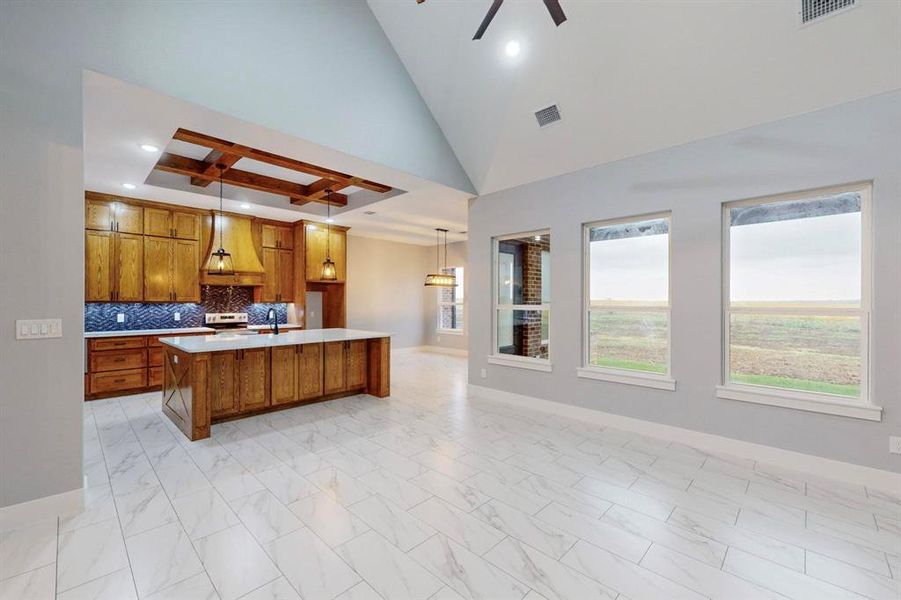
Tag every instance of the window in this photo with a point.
(522, 300)
(450, 303)
(627, 307)
(797, 297)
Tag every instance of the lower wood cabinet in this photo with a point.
(309, 371)
(284, 374)
(114, 381)
(345, 366)
(239, 381)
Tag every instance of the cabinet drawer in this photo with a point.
(118, 360)
(118, 380)
(155, 357)
(155, 376)
(118, 343)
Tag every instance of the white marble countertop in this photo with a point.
(102, 334)
(280, 326)
(224, 342)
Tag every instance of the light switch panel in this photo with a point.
(120, 318)
(34, 329)
(177, 316)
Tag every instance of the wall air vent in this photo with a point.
(812, 10)
(548, 115)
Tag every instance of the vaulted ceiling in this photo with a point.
(628, 76)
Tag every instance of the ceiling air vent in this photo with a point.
(548, 115)
(812, 10)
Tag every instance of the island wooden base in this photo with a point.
(204, 388)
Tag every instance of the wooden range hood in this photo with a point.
(238, 239)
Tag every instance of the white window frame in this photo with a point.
(820, 402)
(461, 303)
(627, 376)
(509, 360)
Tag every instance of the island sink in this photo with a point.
(207, 379)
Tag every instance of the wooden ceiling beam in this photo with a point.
(226, 147)
(296, 192)
(215, 162)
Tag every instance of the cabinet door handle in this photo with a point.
(111, 225)
(117, 225)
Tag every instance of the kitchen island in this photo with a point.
(214, 378)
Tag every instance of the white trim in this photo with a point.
(651, 380)
(521, 362)
(450, 331)
(800, 400)
(814, 465)
(18, 515)
(820, 403)
(434, 349)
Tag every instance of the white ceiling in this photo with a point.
(629, 76)
(119, 117)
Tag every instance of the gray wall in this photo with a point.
(285, 65)
(853, 142)
(456, 257)
(384, 288)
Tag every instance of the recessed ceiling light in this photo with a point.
(149, 148)
(512, 48)
(537, 238)
(129, 186)
(245, 205)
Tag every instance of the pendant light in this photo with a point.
(439, 279)
(329, 272)
(220, 260)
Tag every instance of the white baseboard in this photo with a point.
(435, 349)
(826, 468)
(17, 515)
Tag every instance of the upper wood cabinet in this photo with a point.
(109, 215)
(278, 277)
(318, 242)
(172, 270)
(161, 222)
(277, 236)
(114, 267)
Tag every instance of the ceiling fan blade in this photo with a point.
(487, 20)
(553, 7)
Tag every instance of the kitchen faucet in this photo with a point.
(272, 320)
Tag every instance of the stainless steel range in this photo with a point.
(227, 322)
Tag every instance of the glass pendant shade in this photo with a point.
(439, 279)
(221, 263)
(329, 272)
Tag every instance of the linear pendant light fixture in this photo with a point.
(439, 279)
(221, 261)
(329, 272)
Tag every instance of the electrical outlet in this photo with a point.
(177, 316)
(484, 373)
(894, 444)
(120, 317)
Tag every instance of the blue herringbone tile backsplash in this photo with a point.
(102, 316)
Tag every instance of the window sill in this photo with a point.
(449, 331)
(521, 362)
(659, 382)
(800, 401)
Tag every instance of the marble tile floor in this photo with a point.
(431, 495)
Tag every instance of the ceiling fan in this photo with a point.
(553, 7)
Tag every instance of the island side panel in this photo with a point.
(378, 382)
(185, 394)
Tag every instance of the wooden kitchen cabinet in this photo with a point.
(277, 236)
(114, 267)
(278, 277)
(284, 374)
(253, 378)
(315, 250)
(172, 270)
(161, 222)
(309, 371)
(109, 215)
(345, 366)
(223, 399)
